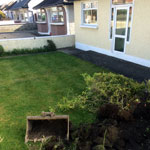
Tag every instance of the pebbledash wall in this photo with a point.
(36, 42)
(137, 51)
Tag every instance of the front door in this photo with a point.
(121, 17)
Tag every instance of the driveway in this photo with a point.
(14, 35)
(125, 68)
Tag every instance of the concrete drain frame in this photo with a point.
(45, 126)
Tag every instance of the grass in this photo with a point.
(30, 84)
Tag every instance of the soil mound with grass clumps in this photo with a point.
(115, 129)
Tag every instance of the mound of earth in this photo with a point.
(116, 129)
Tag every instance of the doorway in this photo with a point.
(120, 30)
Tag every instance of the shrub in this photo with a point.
(102, 88)
(112, 88)
(2, 15)
(50, 46)
(1, 50)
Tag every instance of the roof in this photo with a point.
(11, 4)
(51, 3)
(20, 4)
(3, 7)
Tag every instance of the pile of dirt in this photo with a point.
(116, 129)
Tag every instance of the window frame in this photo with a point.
(82, 15)
(112, 6)
(22, 16)
(122, 4)
(40, 12)
(57, 11)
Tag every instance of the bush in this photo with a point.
(112, 88)
(51, 46)
(102, 88)
(2, 15)
(1, 50)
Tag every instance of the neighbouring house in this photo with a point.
(9, 13)
(117, 28)
(2, 10)
(3, 7)
(55, 17)
(23, 10)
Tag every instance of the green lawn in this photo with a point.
(30, 84)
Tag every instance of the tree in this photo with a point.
(2, 15)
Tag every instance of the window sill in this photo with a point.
(57, 24)
(89, 26)
(41, 22)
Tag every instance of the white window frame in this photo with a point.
(38, 21)
(57, 23)
(86, 25)
(114, 6)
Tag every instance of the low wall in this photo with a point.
(6, 22)
(36, 42)
(17, 27)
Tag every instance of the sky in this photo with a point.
(4, 1)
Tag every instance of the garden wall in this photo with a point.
(37, 42)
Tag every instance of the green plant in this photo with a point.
(104, 88)
(147, 89)
(50, 46)
(147, 130)
(104, 140)
(1, 50)
(2, 15)
(1, 139)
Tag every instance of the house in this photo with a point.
(3, 7)
(117, 28)
(55, 17)
(8, 12)
(23, 10)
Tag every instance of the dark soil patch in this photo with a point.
(118, 130)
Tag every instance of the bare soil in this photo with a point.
(115, 129)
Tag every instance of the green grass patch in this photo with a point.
(30, 84)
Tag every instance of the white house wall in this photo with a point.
(71, 19)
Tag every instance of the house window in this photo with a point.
(17, 16)
(89, 13)
(22, 17)
(119, 2)
(112, 22)
(26, 17)
(57, 15)
(41, 15)
(129, 23)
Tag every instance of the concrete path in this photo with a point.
(128, 69)
(14, 35)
